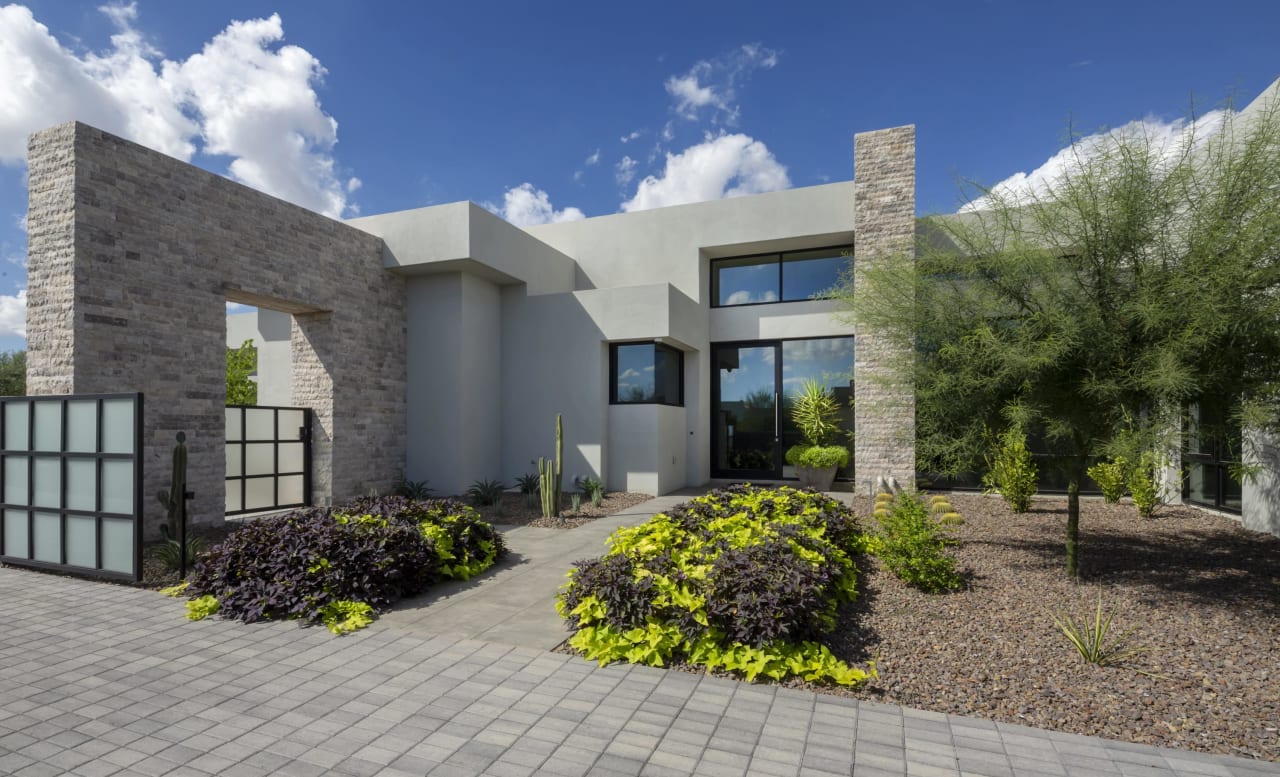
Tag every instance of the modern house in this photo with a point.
(440, 343)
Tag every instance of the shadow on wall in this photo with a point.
(1261, 503)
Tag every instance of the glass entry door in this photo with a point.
(747, 423)
(752, 393)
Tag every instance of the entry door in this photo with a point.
(747, 433)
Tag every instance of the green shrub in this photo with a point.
(744, 579)
(169, 552)
(1011, 472)
(818, 456)
(1144, 487)
(914, 546)
(1112, 477)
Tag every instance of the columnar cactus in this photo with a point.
(550, 474)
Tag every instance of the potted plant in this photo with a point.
(815, 411)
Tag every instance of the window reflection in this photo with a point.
(790, 276)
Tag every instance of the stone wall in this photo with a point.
(132, 256)
(884, 226)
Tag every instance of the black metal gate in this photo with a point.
(71, 483)
(268, 458)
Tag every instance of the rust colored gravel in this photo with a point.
(516, 511)
(1201, 594)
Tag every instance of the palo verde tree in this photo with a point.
(241, 363)
(1145, 276)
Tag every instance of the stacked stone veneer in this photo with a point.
(132, 257)
(884, 226)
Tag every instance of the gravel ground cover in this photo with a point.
(1201, 594)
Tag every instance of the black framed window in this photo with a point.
(645, 374)
(788, 276)
(1212, 447)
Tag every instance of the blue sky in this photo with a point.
(569, 109)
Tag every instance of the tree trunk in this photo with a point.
(1073, 526)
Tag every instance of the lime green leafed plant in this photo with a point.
(815, 412)
(242, 362)
(1094, 641)
(342, 617)
(744, 579)
(1112, 478)
(1143, 485)
(1010, 471)
(201, 607)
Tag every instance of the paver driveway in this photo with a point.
(97, 679)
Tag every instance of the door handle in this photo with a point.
(777, 414)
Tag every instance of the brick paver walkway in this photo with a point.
(98, 680)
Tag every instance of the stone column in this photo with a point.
(884, 227)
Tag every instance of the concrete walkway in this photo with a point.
(98, 680)
(514, 602)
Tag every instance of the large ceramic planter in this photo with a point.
(817, 478)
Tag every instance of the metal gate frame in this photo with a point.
(33, 453)
(304, 437)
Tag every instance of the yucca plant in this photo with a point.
(1094, 641)
(417, 490)
(528, 485)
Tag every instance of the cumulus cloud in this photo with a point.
(13, 313)
(713, 83)
(745, 297)
(719, 167)
(1167, 139)
(625, 170)
(526, 205)
(630, 136)
(594, 159)
(244, 95)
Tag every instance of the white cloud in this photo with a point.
(745, 297)
(21, 221)
(525, 205)
(1168, 139)
(714, 83)
(630, 136)
(719, 167)
(353, 184)
(625, 170)
(13, 314)
(243, 95)
(593, 159)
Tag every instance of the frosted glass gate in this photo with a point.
(71, 483)
(268, 458)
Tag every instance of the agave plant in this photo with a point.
(1094, 641)
(417, 490)
(486, 492)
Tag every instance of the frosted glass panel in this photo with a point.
(234, 462)
(233, 423)
(49, 426)
(259, 458)
(117, 545)
(15, 479)
(288, 423)
(82, 426)
(291, 490)
(291, 456)
(259, 493)
(82, 541)
(233, 496)
(117, 426)
(259, 424)
(15, 426)
(117, 486)
(48, 482)
(15, 533)
(48, 535)
(82, 484)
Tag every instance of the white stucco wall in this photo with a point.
(1261, 497)
(269, 330)
(646, 451)
(454, 381)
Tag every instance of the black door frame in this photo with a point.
(759, 474)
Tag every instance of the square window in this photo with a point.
(645, 374)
